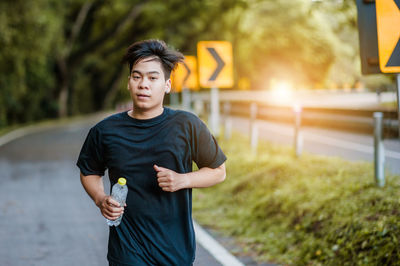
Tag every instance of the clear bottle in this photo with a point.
(119, 192)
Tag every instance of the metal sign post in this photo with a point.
(214, 112)
(174, 99)
(186, 99)
(227, 121)
(379, 150)
(215, 72)
(398, 101)
(199, 107)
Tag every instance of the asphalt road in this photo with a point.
(350, 146)
(46, 217)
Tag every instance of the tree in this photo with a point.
(62, 58)
(26, 60)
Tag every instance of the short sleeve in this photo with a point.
(205, 149)
(91, 158)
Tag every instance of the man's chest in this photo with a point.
(167, 146)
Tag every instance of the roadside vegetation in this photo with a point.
(72, 64)
(311, 210)
(391, 105)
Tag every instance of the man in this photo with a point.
(153, 147)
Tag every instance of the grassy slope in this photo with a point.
(309, 210)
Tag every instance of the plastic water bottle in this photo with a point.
(119, 192)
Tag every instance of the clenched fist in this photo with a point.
(170, 180)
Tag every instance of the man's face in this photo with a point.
(147, 85)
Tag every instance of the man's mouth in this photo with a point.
(142, 96)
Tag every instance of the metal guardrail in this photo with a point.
(354, 120)
(346, 119)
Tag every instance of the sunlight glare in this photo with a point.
(282, 91)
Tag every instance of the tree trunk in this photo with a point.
(62, 102)
(113, 89)
(63, 95)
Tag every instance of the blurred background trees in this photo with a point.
(61, 58)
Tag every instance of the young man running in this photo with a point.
(153, 147)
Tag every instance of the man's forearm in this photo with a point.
(172, 181)
(206, 177)
(93, 184)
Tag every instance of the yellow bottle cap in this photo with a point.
(122, 181)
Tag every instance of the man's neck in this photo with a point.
(140, 114)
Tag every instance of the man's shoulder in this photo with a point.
(182, 115)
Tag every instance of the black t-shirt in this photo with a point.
(156, 226)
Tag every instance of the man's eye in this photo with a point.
(136, 77)
(153, 78)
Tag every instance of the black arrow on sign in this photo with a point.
(397, 2)
(220, 63)
(188, 72)
(394, 59)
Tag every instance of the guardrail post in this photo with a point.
(227, 121)
(253, 127)
(186, 99)
(379, 150)
(298, 138)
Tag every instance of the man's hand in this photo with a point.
(169, 180)
(110, 208)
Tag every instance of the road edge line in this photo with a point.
(214, 248)
(38, 127)
(21, 132)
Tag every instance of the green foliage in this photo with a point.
(311, 210)
(285, 40)
(29, 32)
(73, 48)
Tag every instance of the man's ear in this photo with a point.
(168, 86)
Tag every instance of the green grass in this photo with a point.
(392, 105)
(311, 210)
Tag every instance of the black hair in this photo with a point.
(168, 57)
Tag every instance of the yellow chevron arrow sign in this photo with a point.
(388, 26)
(215, 64)
(185, 75)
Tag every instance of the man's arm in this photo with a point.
(109, 208)
(171, 181)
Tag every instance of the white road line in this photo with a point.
(214, 248)
(207, 242)
(332, 141)
(392, 154)
(71, 126)
(18, 133)
(340, 143)
(349, 145)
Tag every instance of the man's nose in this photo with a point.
(144, 83)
